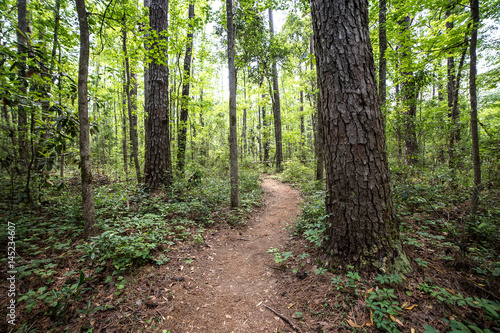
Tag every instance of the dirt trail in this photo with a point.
(230, 281)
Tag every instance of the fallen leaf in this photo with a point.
(369, 290)
(291, 305)
(353, 324)
(412, 330)
(411, 307)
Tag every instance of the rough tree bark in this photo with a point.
(124, 126)
(233, 142)
(158, 164)
(182, 129)
(318, 137)
(83, 109)
(476, 160)
(361, 226)
(382, 72)
(276, 105)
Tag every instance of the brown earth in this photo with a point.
(226, 290)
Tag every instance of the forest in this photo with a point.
(250, 166)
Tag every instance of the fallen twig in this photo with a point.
(243, 239)
(181, 258)
(285, 319)
(277, 268)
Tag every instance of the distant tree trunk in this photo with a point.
(131, 92)
(186, 77)
(233, 140)
(22, 49)
(158, 165)
(362, 227)
(146, 80)
(409, 96)
(265, 135)
(474, 4)
(83, 108)
(132, 115)
(124, 126)
(302, 127)
(276, 104)
(244, 129)
(382, 72)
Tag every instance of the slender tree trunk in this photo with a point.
(265, 135)
(276, 104)
(83, 108)
(131, 93)
(362, 227)
(158, 165)
(409, 95)
(186, 77)
(474, 4)
(22, 49)
(233, 140)
(124, 126)
(244, 130)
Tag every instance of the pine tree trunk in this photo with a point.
(362, 227)
(124, 127)
(158, 165)
(382, 72)
(318, 139)
(186, 76)
(83, 108)
(233, 143)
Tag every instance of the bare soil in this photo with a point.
(228, 286)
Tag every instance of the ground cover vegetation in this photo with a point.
(117, 158)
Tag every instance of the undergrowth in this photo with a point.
(58, 271)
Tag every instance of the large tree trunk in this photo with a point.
(83, 110)
(233, 140)
(158, 165)
(275, 96)
(362, 227)
(186, 77)
(474, 4)
(318, 137)
(382, 72)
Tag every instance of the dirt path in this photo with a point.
(231, 280)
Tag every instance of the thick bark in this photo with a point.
(158, 165)
(382, 36)
(318, 137)
(233, 142)
(83, 108)
(276, 105)
(362, 227)
(474, 4)
(186, 83)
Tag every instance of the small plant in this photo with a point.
(352, 278)
(279, 257)
(421, 262)
(382, 303)
(389, 279)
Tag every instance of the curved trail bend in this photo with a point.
(231, 280)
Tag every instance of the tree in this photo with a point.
(276, 102)
(83, 116)
(158, 165)
(131, 92)
(361, 226)
(233, 142)
(476, 160)
(382, 35)
(22, 47)
(186, 76)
